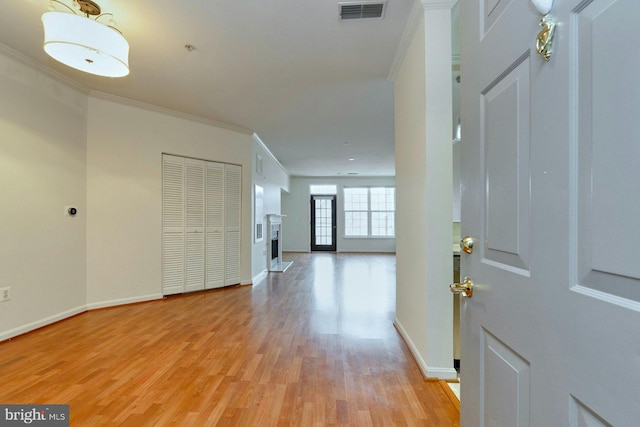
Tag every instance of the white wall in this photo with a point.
(42, 170)
(274, 179)
(297, 224)
(423, 116)
(124, 182)
(61, 147)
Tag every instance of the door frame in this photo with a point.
(334, 229)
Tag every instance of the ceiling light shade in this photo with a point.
(85, 44)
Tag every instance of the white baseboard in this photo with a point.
(66, 314)
(259, 276)
(123, 301)
(42, 322)
(412, 348)
(442, 373)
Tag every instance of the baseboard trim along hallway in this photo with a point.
(313, 346)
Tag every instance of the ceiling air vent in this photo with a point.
(361, 10)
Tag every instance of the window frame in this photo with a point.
(369, 211)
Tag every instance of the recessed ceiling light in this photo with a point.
(351, 159)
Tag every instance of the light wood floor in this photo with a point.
(314, 346)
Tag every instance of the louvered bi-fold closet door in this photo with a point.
(173, 224)
(194, 231)
(215, 226)
(201, 204)
(232, 211)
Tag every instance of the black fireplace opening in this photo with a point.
(274, 248)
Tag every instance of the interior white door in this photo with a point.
(201, 217)
(232, 220)
(549, 191)
(215, 226)
(195, 220)
(173, 224)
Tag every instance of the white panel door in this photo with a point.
(232, 220)
(194, 230)
(549, 192)
(215, 226)
(173, 225)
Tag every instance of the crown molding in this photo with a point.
(44, 69)
(175, 113)
(73, 84)
(262, 145)
(417, 13)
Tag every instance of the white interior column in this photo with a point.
(439, 164)
(423, 120)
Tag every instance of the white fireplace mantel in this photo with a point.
(275, 218)
(274, 244)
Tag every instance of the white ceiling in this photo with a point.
(288, 70)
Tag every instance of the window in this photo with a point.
(383, 212)
(369, 212)
(323, 189)
(356, 212)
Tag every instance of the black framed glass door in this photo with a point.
(323, 223)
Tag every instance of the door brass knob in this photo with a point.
(467, 244)
(465, 288)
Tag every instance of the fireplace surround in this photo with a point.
(274, 246)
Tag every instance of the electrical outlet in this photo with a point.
(5, 294)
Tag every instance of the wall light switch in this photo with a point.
(5, 294)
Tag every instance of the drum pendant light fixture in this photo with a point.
(84, 43)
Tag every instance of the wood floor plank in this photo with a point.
(314, 346)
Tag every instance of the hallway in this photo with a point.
(314, 346)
